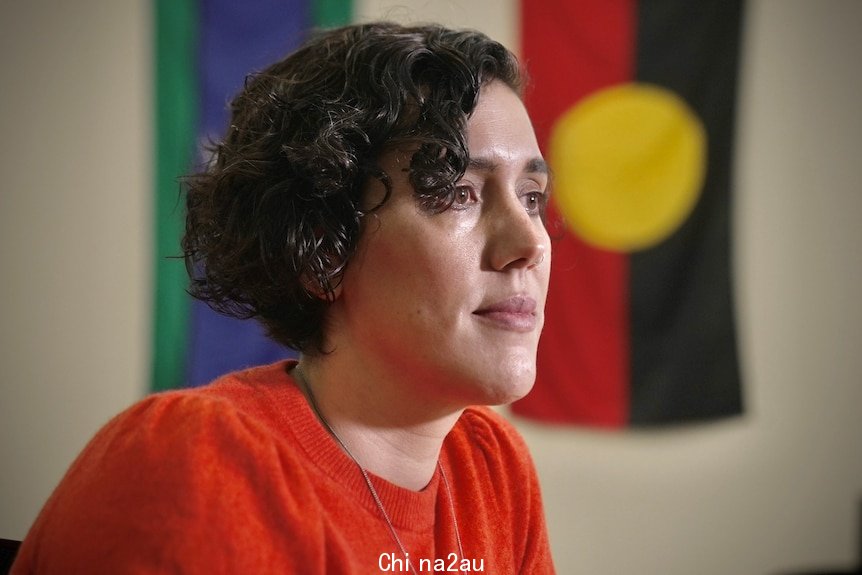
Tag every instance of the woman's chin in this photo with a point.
(508, 386)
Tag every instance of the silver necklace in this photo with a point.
(304, 381)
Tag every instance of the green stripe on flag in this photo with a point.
(332, 13)
(176, 114)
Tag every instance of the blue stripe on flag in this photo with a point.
(235, 39)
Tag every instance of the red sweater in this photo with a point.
(240, 477)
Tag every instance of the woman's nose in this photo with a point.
(519, 239)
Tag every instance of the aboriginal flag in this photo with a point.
(633, 103)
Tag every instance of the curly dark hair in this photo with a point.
(273, 221)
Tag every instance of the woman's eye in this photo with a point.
(533, 202)
(463, 196)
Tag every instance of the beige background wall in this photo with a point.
(75, 149)
(780, 489)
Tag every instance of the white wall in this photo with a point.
(772, 492)
(74, 234)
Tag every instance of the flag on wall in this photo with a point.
(633, 104)
(204, 50)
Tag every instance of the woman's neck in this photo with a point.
(388, 431)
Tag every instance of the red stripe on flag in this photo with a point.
(570, 49)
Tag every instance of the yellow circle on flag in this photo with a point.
(629, 164)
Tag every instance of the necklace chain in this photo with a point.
(368, 482)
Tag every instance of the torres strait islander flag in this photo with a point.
(633, 103)
(204, 50)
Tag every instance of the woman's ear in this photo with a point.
(322, 287)
(322, 279)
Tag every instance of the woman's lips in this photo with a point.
(516, 313)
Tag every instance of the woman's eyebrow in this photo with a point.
(481, 164)
(534, 165)
(537, 165)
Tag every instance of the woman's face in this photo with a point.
(453, 302)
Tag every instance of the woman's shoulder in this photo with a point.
(487, 432)
(490, 461)
(241, 403)
(191, 436)
(176, 473)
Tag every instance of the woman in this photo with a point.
(378, 204)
